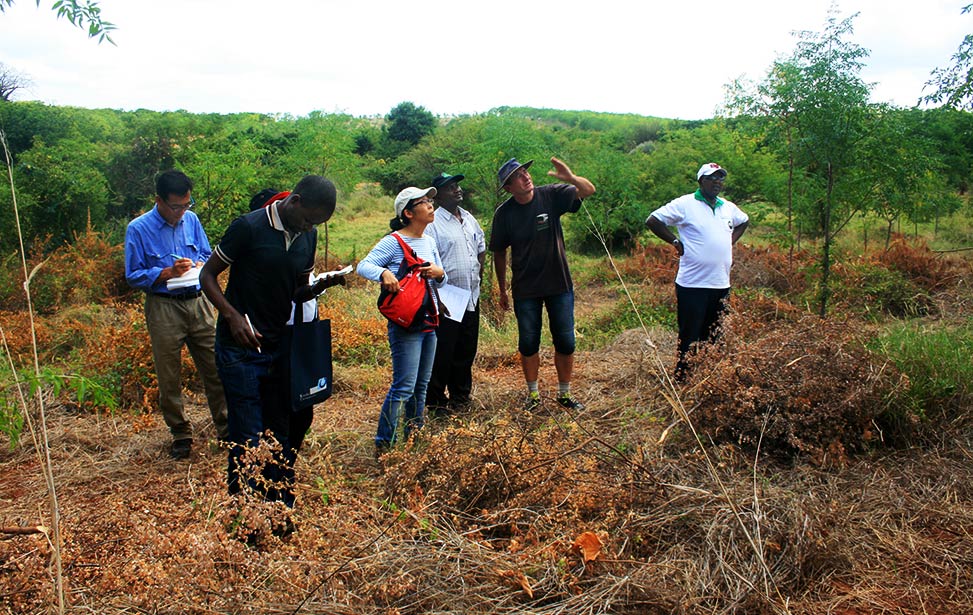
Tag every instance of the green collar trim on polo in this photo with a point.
(699, 197)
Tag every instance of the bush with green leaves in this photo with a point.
(936, 358)
(869, 288)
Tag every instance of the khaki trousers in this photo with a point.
(173, 323)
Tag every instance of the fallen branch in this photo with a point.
(37, 529)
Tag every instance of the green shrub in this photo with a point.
(937, 362)
(11, 416)
(872, 289)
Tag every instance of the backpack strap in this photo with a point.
(410, 255)
(413, 260)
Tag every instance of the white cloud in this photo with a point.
(294, 56)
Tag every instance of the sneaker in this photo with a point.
(532, 401)
(181, 449)
(570, 402)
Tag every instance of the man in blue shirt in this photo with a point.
(163, 248)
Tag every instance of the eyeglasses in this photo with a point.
(421, 201)
(714, 177)
(181, 206)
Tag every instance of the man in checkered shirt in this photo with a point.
(462, 247)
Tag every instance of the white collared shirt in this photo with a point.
(706, 234)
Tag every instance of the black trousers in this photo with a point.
(699, 311)
(452, 371)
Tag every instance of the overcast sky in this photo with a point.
(363, 57)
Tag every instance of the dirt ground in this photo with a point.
(443, 527)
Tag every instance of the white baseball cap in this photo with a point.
(402, 199)
(708, 169)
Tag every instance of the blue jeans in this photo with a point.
(560, 313)
(413, 355)
(258, 400)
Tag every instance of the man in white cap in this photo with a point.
(708, 227)
(529, 223)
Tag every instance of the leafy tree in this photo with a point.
(617, 209)
(81, 13)
(364, 144)
(950, 132)
(818, 100)
(325, 145)
(755, 169)
(132, 170)
(475, 147)
(25, 121)
(65, 188)
(405, 125)
(225, 173)
(904, 173)
(953, 85)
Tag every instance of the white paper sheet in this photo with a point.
(455, 299)
(186, 280)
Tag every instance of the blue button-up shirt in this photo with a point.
(150, 246)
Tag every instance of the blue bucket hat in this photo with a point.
(509, 168)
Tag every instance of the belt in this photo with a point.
(196, 294)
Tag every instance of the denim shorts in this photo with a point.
(560, 313)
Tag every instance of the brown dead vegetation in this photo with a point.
(616, 509)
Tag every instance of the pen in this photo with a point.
(177, 257)
(249, 324)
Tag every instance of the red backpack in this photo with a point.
(413, 307)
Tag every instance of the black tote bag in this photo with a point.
(307, 353)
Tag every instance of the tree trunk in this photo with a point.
(864, 234)
(790, 200)
(826, 251)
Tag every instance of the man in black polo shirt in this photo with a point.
(270, 253)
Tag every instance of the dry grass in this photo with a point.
(480, 515)
(616, 509)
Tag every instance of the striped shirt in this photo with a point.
(387, 254)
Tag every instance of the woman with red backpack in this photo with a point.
(404, 258)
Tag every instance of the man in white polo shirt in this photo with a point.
(708, 227)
